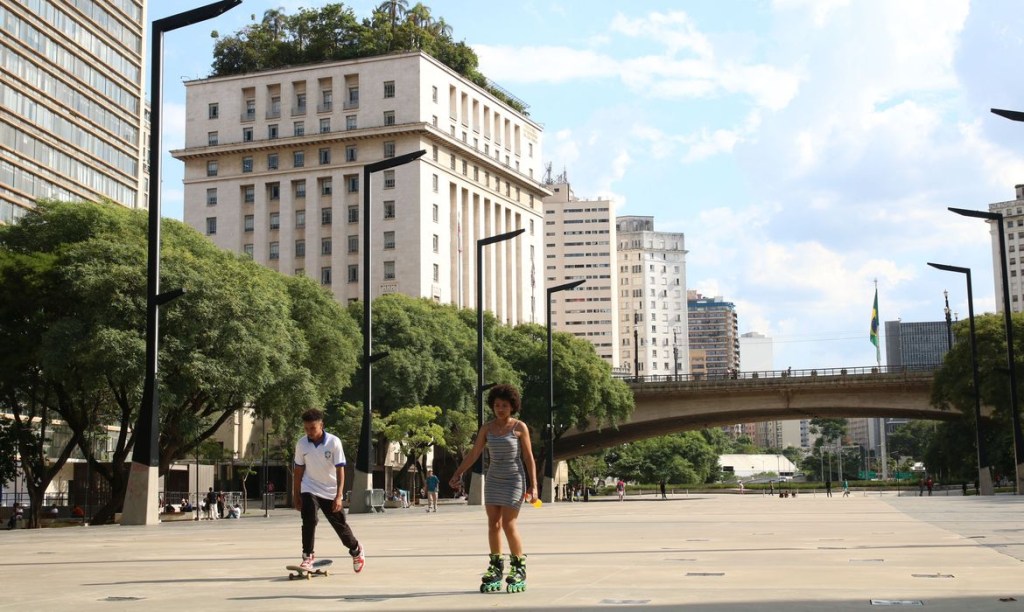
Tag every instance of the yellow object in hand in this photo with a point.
(537, 503)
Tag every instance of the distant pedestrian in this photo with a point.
(846, 488)
(977, 487)
(828, 488)
(620, 488)
(929, 484)
(210, 505)
(771, 487)
(432, 484)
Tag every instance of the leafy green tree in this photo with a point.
(912, 438)
(332, 32)
(954, 389)
(585, 468)
(241, 336)
(415, 429)
(674, 459)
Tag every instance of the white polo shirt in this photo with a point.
(320, 460)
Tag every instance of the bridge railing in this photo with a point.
(787, 373)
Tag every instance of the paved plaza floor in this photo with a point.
(691, 552)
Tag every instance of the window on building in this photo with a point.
(389, 89)
(211, 167)
(353, 244)
(389, 117)
(211, 196)
(325, 186)
(389, 148)
(300, 103)
(247, 249)
(213, 111)
(436, 243)
(435, 212)
(351, 153)
(298, 159)
(353, 214)
(275, 220)
(325, 246)
(246, 164)
(433, 93)
(353, 273)
(247, 134)
(389, 209)
(248, 223)
(300, 249)
(325, 216)
(272, 131)
(389, 240)
(275, 107)
(324, 156)
(272, 162)
(248, 193)
(325, 275)
(437, 273)
(325, 125)
(300, 189)
(300, 218)
(211, 226)
(434, 181)
(211, 138)
(275, 250)
(350, 122)
(273, 191)
(299, 128)
(326, 100)
(389, 270)
(353, 96)
(352, 183)
(389, 179)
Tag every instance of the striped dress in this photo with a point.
(506, 477)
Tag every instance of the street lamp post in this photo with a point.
(1018, 437)
(949, 321)
(362, 481)
(266, 472)
(140, 500)
(636, 345)
(984, 473)
(476, 482)
(548, 493)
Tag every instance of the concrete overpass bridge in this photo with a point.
(669, 404)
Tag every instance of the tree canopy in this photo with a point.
(72, 277)
(333, 32)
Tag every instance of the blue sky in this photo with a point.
(805, 148)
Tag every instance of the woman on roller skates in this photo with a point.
(507, 441)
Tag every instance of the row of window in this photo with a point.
(326, 275)
(273, 160)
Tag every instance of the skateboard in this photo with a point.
(319, 569)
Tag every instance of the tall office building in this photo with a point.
(72, 104)
(1013, 226)
(652, 298)
(757, 355)
(274, 169)
(916, 346)
(714, 329)
(579, 243)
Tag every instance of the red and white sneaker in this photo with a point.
(307, 562)
(359, 560)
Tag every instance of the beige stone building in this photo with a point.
(72, 105)
(652, 299)
(1013, 228)
(579, 243)
(274, 168)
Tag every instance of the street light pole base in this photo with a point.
(548, 494)
(140, 498)
(358, 502)
(985, 482)
(476, 489)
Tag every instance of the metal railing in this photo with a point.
(771, 374)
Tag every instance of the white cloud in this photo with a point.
(674, 30)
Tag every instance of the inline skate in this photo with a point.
(516, 579)
(491, 580)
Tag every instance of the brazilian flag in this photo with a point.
(874, 329)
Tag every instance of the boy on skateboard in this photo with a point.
(319, 477)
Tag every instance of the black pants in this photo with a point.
(336, 519)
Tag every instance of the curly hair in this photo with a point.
(506, 392)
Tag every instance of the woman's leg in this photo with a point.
(508, 523)
(494, 521)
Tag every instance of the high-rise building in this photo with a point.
(579, 243)
(714, 328)
(274, 169)
(916, 346)
(1013, 229)
(72, 104)
(652, 298)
